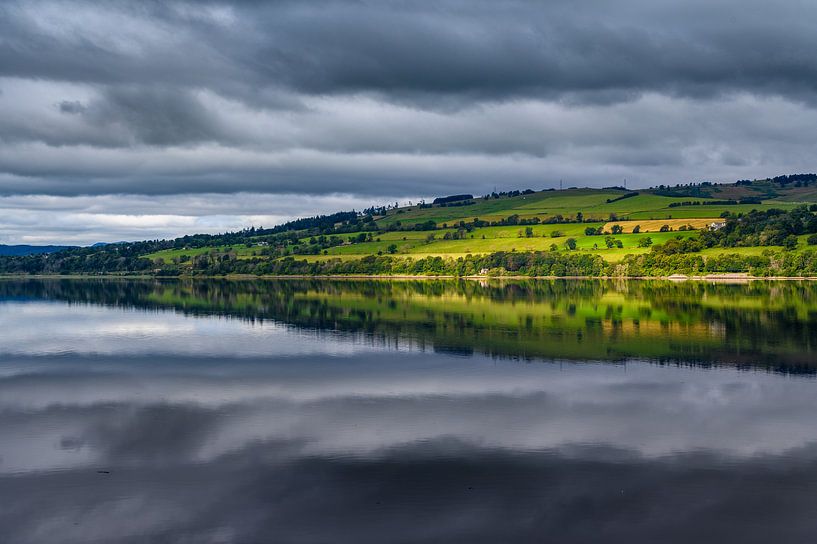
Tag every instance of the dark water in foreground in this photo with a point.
(318, 411)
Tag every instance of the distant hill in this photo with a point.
(20, 250)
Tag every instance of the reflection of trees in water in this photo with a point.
(749, 324)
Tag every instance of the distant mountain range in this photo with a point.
(20, 250)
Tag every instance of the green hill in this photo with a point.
(535, 221)
(762, 227)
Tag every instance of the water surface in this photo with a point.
(409, 411)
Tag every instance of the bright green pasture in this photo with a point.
(508, 239)
(590, 202)
(241, 251)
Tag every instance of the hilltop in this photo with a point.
(737, 227)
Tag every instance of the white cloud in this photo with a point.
(48, 219)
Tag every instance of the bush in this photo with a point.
(812, 240)
(571, 243)
(645, 242)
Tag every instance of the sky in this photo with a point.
(124, 120)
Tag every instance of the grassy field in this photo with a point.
(592, 203)
(240, 250)
(651, 225)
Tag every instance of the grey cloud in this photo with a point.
(72, 107)
(375, 149)
(400, 99)
(155, 116)
(478, 49)
(528, 48)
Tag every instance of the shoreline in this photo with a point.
(723, 278)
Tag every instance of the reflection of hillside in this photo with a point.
(770, 324)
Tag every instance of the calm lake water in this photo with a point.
(408, 411)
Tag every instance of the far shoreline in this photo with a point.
(719, 278)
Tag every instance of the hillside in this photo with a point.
(728, 228)
(522, 222)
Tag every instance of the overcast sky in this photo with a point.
(127, 120)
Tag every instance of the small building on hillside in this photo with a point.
(716, 225)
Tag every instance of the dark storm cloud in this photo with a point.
(473, 48)
(531, 48)
(156, 117)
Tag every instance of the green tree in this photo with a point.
(392, 248)
(571, 243)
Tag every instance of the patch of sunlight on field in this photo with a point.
(650, 225)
